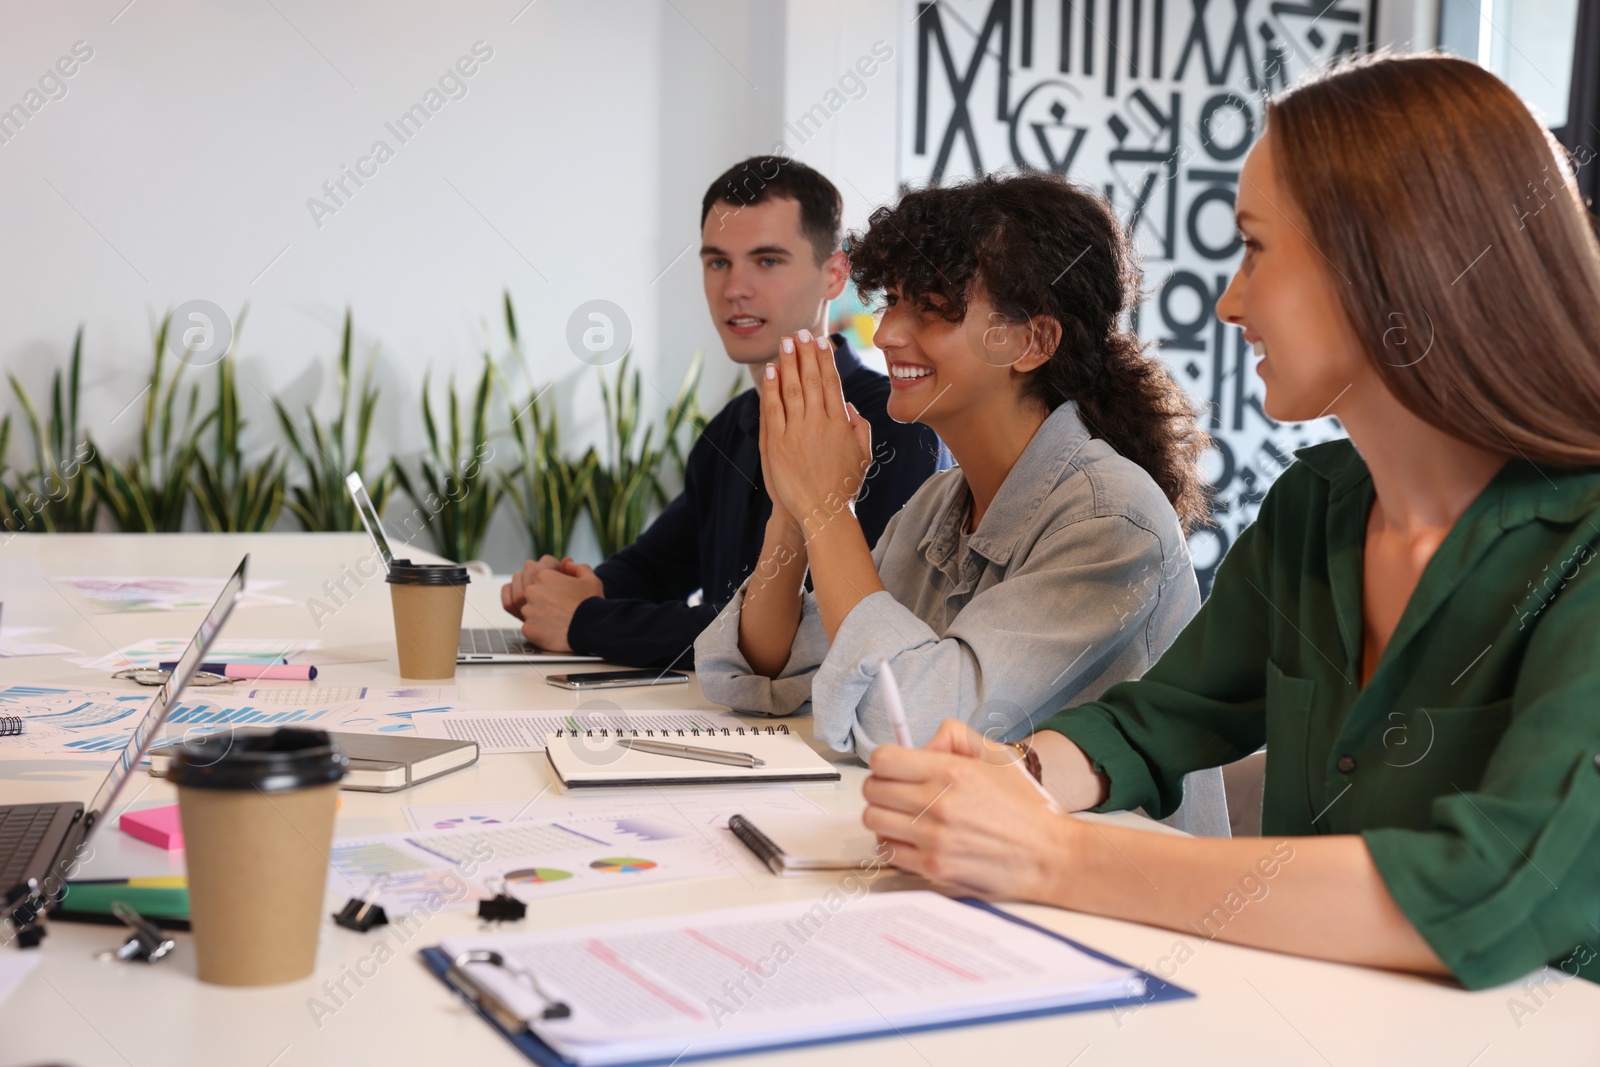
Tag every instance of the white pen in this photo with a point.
(891, 701)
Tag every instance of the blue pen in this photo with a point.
(215, 668)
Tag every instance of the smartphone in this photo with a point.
(616, 679)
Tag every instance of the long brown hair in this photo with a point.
(1469, 266)
(1037, 244)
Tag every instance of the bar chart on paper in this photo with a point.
(69, 721)
(204, 713)
(96, 723)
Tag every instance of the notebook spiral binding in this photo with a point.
(740, 731)
(11, 725)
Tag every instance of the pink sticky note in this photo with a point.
(158, 826)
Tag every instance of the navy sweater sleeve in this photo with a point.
(709, 537)
(644, 620)
(663, 564)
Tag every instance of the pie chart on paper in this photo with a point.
(536, 876)
(464, 820)
(622, 865)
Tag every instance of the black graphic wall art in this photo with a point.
(1156, 103)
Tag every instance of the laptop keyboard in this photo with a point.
(490, 641)
(22, 827)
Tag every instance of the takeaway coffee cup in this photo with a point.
(257, 809)
(428, 601)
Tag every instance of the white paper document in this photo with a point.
(707, 810)
(800, 970)
(703, 807)
(118, 595)
(13, 643)
(156, 650)
(452, 869)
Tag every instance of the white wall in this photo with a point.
(180, 161)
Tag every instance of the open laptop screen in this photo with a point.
(145, 730)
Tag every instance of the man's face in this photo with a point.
(762, 277)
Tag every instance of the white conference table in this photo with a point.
(1252, 1006)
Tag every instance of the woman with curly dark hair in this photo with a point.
(1046, 567)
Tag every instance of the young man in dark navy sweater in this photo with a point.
(771, 259)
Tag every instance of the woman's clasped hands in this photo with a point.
(816, 448)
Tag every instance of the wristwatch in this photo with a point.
(1030, 759)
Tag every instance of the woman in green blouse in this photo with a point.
(1412, 624)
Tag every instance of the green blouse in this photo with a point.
(1468, 763)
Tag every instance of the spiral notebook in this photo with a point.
(527, 731)
(591, 758)
(10, 725)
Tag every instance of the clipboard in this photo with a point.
(526, 1042)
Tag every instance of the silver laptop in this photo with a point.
(478, 645)
(43, 843)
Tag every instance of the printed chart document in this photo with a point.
(94, 724)
(457, 863)
(777, 973)
(706, 810)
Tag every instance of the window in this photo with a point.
(1529, 43)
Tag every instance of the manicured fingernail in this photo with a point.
(772, 372)
(787, 344)
(805, 337)
(822, 342)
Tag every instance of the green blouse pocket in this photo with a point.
(1447, 748)
(1285, 800)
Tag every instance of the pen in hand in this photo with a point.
(891, 701)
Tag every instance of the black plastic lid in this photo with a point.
(404, 572)
(272, 761)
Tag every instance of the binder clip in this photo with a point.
(501, 908)
(146, 943)
(362, 915)
(25, 903)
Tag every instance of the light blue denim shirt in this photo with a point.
(1078, 577)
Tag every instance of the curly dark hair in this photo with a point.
(1035, 244)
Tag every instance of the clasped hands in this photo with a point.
(816, 448)
(545, 594)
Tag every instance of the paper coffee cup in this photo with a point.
(428, 600)
(257, 808)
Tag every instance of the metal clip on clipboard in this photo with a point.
(486, 1001)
